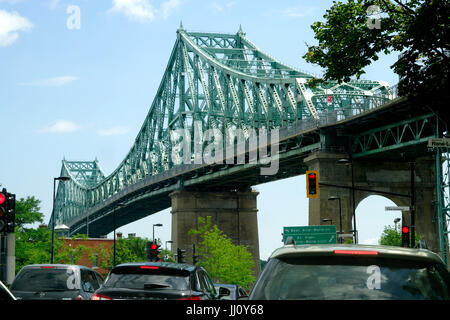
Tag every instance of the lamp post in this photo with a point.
(119, 205)
(63, 179)
(156, 225)
(340, 215)
(355, 235)
(328, 220)
(347, 162)
(396, 220)
(168, 241)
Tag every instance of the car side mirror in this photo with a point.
(224, 292)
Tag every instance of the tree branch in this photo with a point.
(408, 9)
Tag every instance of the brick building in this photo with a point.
(96, 245)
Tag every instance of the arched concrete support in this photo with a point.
(235, 213)
(392, 178)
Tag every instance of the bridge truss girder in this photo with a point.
(221, 82)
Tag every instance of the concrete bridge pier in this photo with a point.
(391, 177)
(235, 213)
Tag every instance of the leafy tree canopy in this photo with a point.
(224, 261)
(349, 40)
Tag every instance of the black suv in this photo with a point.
(55, 282)
(157, 280)
(352, 272)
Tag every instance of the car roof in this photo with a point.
(56, 266)
(171, 265)
(225, 285)
(382, 251)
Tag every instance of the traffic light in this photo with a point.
(180, 255)
(7, 211)
(405, 236)
(3, 210)
(312, 184)
(153, 251)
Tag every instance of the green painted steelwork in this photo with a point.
(394, 136)
(442, 195)
(213, 81)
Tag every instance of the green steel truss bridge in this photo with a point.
(224, 82)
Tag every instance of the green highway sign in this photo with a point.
(311, 234)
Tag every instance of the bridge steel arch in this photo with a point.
(213, 81)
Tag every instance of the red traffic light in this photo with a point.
(153, 246)
(2, 198)
(312, 176)
(405, 230)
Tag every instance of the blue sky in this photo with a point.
(81, 91)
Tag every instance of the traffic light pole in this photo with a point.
(3, 257)
(412, 209)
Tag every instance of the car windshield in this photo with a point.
(44, 280)
(144, 279)
(352, 278)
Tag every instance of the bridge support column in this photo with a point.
(321, 208)
(235, 213)
(392, 178)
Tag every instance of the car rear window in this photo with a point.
(148, 278)
(353, 278)
(45, 279)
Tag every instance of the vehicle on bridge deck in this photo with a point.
(352, 272)
(55, 282)
(157, 281)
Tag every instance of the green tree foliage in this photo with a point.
(224, 261)
(28, 211)
(35, 245)
(417, 29)
(393, 237)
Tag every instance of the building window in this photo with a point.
(95, 260)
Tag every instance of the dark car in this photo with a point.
(56, 282)
(352, 272)
(157, 280)
(5, 294)
(231, 292)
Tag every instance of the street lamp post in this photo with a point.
(63, 179)
(119, 205)
(350, 162)
(156, 225)
(328, 220)
(168, 241)
(396, 220)
(340, 216)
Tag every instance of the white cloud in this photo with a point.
(168, 6)
(219, 7)
(373, 241)
(113, 131)
(53, 4)
(50, 82)
(297, 12)
(143, 10)
(61, 126)
(11, 1)
(10, 25)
